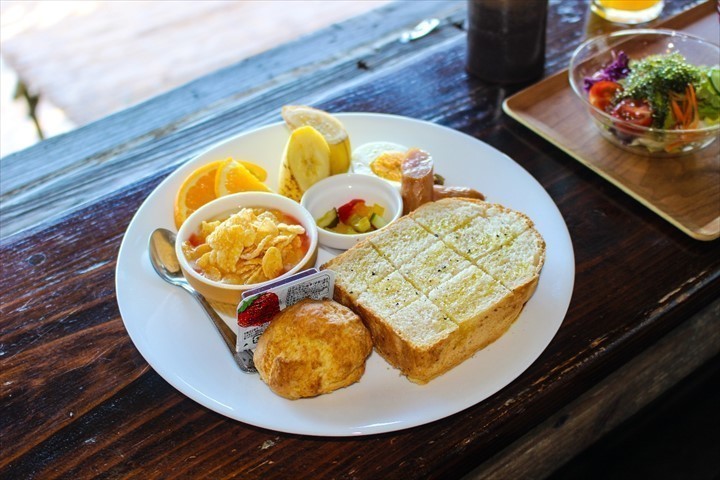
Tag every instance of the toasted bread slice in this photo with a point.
(356, 270)
(484, 235)
(482, 307)
(435, 266)
(388, 295)
(460, 273)
(517, 266)
(434, 216)
(413, 238)
(415, 338)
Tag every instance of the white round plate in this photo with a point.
(179, 342)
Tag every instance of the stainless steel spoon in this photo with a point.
(165, 262)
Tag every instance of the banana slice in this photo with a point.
(330, 128)
(288, 186)
(340, 157)
(307, 155)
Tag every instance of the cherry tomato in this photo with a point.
(345, 211)
(602, 93)
(637, 112)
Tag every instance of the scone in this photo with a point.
(311, 348)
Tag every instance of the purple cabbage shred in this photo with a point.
(616, 70)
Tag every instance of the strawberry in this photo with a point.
(257, 310)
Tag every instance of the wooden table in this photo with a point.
(79, 400)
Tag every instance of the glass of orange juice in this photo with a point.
(627, 11)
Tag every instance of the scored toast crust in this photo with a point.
(469, 314)
(427, 359)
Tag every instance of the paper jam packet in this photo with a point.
(260, 305)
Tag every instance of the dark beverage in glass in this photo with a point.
(506, 39)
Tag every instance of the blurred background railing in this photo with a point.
(68, 63)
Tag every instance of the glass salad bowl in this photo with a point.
(634, 86)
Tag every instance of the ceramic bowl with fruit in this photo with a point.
(347, 208)
(651, 92)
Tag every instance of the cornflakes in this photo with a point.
(272, 263)
(251, 246)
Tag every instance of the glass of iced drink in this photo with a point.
(627, 11)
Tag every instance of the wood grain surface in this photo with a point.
(609, 403)
(79, 401)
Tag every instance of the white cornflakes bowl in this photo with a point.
(228, 293)
(337, 190)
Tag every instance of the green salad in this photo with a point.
(659, 91)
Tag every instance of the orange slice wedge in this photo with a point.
(255, 169)
(197, 190)
(233, 177)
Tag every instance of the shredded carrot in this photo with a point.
(672, 146)
(693, 102)
(677, 111)
(685, 109)
(691, 92)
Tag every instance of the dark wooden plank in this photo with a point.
(64, 347)
(576, 426)
(125, 147)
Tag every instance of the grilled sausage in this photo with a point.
(417, 179)
(444, 191)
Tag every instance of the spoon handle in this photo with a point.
(244, 359)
